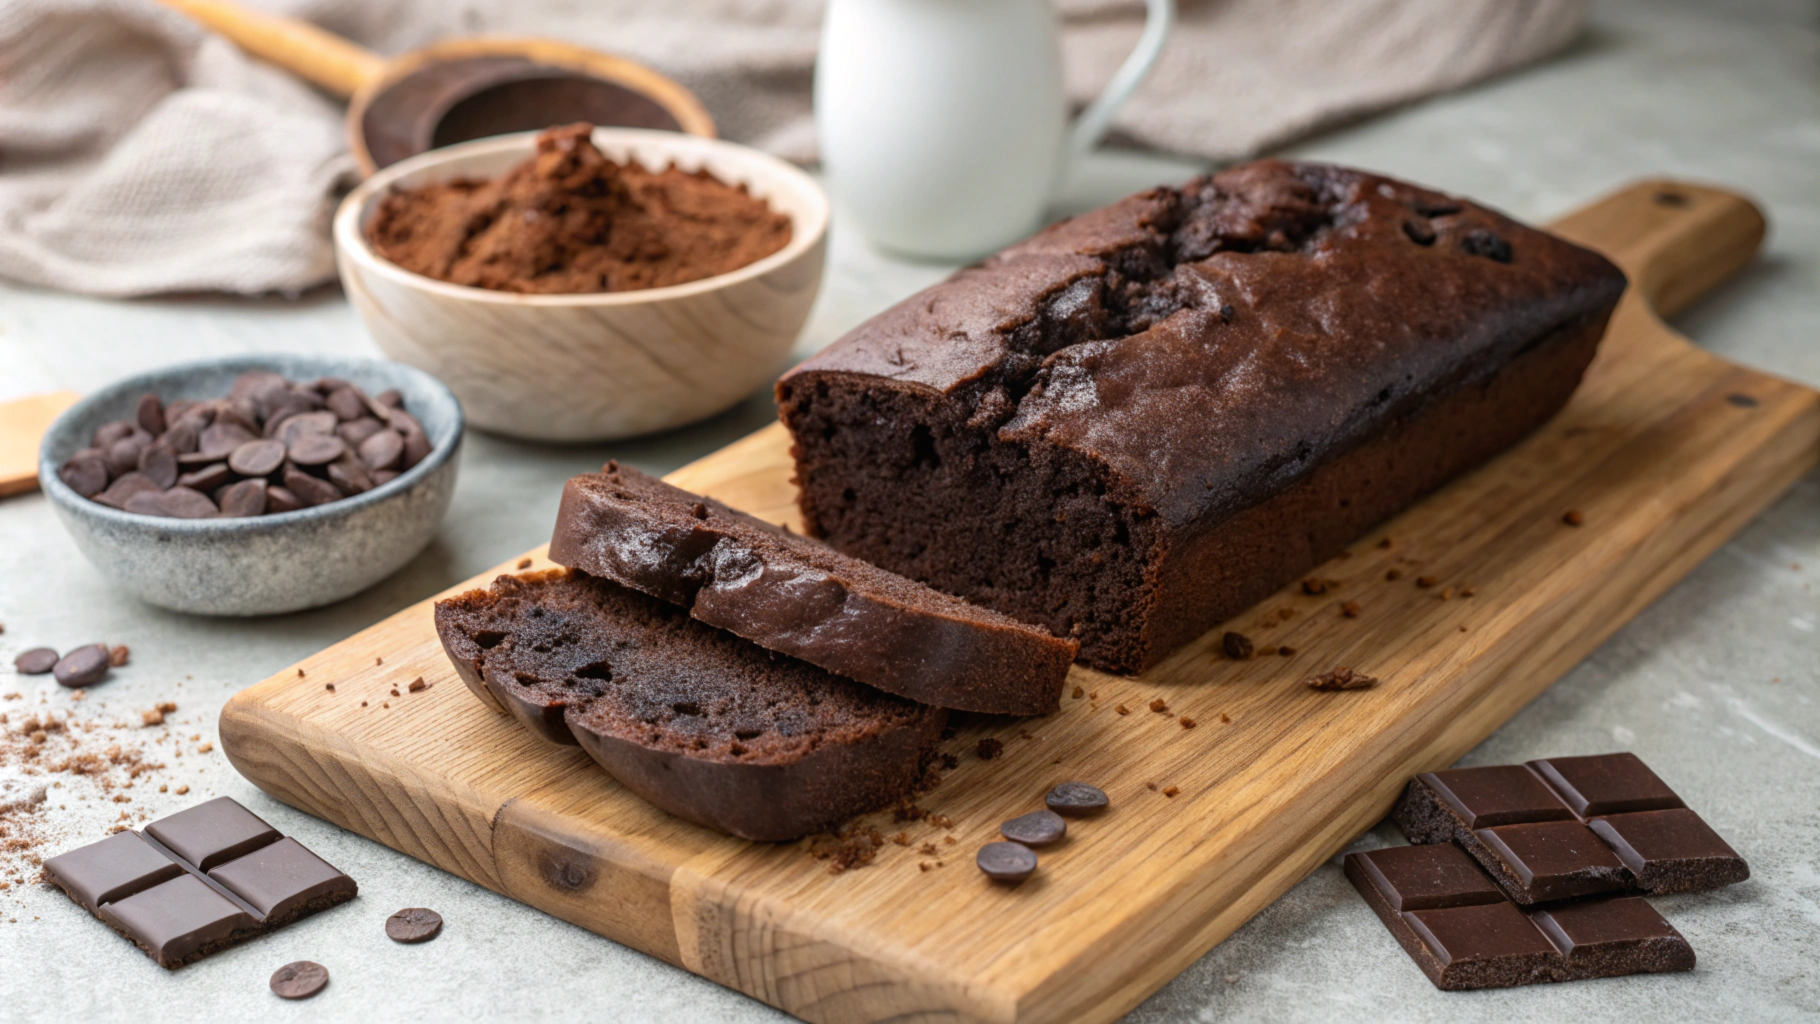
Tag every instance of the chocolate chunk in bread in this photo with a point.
(699, 722)
(1141, 421)
(796, 595)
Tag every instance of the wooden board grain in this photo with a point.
(1666, 450)
(23, 422)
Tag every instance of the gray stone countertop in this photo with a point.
(1717, 685)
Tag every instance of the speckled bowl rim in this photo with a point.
(61, 493)
(351, 239)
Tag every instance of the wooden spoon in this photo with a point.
(458, 89)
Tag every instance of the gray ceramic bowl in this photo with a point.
(268, 564)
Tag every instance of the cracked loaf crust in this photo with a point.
(1143, 420)
(796, 595)
(710, 727)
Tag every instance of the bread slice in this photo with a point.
(705, 725)
(796, 595)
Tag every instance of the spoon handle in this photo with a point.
(321, 57)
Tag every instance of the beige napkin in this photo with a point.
(140, 155)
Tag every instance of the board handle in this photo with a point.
(297, 46)
(1675, 240)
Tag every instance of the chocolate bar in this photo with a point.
(198, 881)
(1465, 933)
(1570, 826)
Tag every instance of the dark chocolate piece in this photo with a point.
(1038, 828)
(1076, 799)
(705, 725)
(36, 661)
(413, 924)
(198, 881)
(1462, 932)
(792, 594)
(1673, 850)
(1606, 784)
(1573, 826)
(1006, 862)
(83, 666)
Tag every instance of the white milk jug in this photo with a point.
(942, 122)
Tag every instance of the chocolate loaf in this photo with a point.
(699, 722)
(796, 595)
(1143, 420)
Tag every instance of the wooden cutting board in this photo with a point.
(23, 422)
(1665, 451)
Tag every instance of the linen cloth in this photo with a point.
(139, 154)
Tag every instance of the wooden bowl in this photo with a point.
(598, 366)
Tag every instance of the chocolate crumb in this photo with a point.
(1237, 645)
(1079, 692)
(901, 839)
(117, 656)
(1224, 718)
(1286, 651)
(378, 660)
(1159, 706)
(329, 687)
(990, 748)
(300, 673)
(394, 691)
(524, 563)
(1467, 591)
(1268, 651)
(181, 790)
(1341, 678)
(1122, 709)
(417, 685)
(1188, 723)
(363, 703)
(1384, 544)
(1350, 609)
(1151, 786)
(1171, 791)
(1446, 593)
(1427, 581)
(1573, 517)
(1393, 574)
(699, 510)
(1312, 586)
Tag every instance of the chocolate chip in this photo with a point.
(122, 490)
(1480, 242)
(384, 476)
(257, 458)
(159, 464)
(107, 433)
(150, 415)
(280, 499)
(1006, 862)
(413, 924)
(300, 980)
(309, 489)
(36, 661)
(1227, 313)
(82, 666)
(321, 422)
(316, 449)
(1419, 232)
(356, 431)
(1076, 799)
(252, 382)
(207, 478)
(1573, 517)
(1341, 678)
(246, 498)
(350, 474)
(123, 455)
(382, 450)
(391, 398)
(1436, 208)
(1238, 646)
(699, 510)
(86, 475)
(1679, 200)
(218, 440)
(182, 438)
(989, 748)
(346, 404)
(416, 448)
(1741, 401)
(1038, 828)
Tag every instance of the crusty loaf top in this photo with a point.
(1211, 343)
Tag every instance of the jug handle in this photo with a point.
(1091, 125)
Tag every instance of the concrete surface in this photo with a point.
(1715, 685)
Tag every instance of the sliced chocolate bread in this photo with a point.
(796, 595)
(699, 722)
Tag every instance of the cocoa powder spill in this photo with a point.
(569, 220)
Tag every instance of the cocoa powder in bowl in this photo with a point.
(570, 220)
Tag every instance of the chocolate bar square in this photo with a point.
(1466, 935)
(1498, 795)
(198, 881)
(1606, 784)
(1671, 851)
(1550, 860)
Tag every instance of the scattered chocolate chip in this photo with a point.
(413, 925)
(257, 458)
(1038, 828)
(83, 666)
(1076, 799)
(1006, 862)
(300, 980)
(1573, 517)
(1481, 242)
(1237, 645)
(990, 748)
(36, 661)
(1341, 678)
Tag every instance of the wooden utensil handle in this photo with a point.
(322, 57)
(1675, 239)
